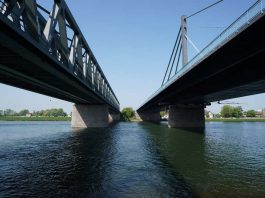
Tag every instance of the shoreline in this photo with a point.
(235, 120)
(221, 120)
(18, 118)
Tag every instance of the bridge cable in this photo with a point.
(192, 44)
(174, 58)
(171, 55)
(178, 60)
(204, 9)
(174, 53)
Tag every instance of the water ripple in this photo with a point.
(47, 159)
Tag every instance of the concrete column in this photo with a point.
(117, 117)
(114, 117)
(86, 116)
(190, 116)
(137, 116)
(150, 115)
(111, 119)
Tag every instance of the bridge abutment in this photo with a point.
(87, 116)
(150, 115)
(186, 116)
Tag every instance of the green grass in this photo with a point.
(135, 120)
(236, 120)
(18, 118)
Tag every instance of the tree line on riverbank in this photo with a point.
(42, 113)
(127, 114)
(229, 111)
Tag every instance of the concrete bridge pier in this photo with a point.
(150, 115)
(186, 116)
(114, 117)
(87, 116)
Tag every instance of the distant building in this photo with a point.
(28, 114)
(263, 112)
(208, 114)
(260, 113)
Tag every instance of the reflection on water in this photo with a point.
(131, 160)
(227, 160)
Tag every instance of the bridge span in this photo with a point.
(44, 51)
(232, 65)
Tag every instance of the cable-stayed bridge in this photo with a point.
(231, 66)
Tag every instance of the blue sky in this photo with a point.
(132, 41)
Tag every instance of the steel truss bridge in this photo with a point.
(44, 51)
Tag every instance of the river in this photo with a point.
(50, 159)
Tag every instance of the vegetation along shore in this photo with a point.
(42, 115)
(20, 118)
(235, 120)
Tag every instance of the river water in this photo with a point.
(49, 159)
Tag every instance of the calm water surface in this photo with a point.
(47, 159)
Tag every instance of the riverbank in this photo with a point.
(236, 120)
(20, 118)
(221, 120)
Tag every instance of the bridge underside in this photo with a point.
(24, 67)
(38, 55)
(236, 69)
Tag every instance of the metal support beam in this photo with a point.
(51, 23)
(13, 8)
(8, 6)
(63, 34)
(73, 50)
(89, 68)
(30, 18)
(79, 54)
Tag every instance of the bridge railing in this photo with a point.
(57, 33)
(240, 23)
